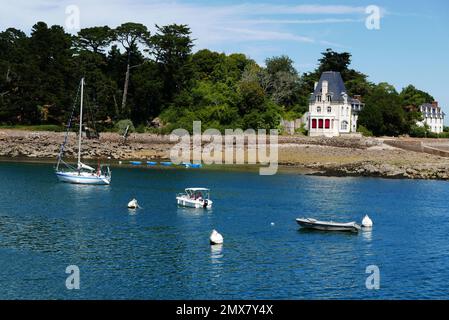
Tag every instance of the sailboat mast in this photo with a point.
(81, 123)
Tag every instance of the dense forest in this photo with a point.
(159, 83)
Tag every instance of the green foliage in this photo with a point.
(133, 76)
(383, 114)
(141, 128)
(121, 126)
(363, 130)
(414, 97)
(419, 131)
(43, 127)
(302, 130)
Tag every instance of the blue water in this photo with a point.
(162, 251)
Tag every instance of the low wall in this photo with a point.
(417, 146)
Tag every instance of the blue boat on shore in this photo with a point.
(151, 163)
(166, 163)
(136, 163)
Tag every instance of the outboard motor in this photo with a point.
(205, 203)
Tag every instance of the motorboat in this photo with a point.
(195, 198)
(311, 223)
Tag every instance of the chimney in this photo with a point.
(324, 87)
(435, 103)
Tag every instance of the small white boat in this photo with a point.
(195, 198)
(328, 225)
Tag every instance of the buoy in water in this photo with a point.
(367, 222)
(272, 224)
(215, 237)
(133, 204)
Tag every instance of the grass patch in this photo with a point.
(42, 127)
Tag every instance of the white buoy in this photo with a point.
(215, 237)
(120, 162)
(133, 204)
(272, 224)
(367, 222)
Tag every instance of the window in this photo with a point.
(327, 124)
(329, 109)
(329, 98)
(313, 123)
(344, 125)
(320, 123)
(318, 109)
(318, 98)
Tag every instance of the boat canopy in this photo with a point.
(197, 189)
(196, 192)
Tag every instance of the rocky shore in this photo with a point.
(342, 156)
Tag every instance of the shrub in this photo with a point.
(364, 131)
(141, 128)
(121, 126)
(419, 131)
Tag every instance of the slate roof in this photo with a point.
(336, 86)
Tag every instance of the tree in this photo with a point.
(383, 114)
(414, 97)
(284, 81)
(94, 39)
(129, 35)
(334, 61)
(171, 48)
(252, 97)
(280, 64)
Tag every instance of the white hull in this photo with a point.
(83, 178)
(186, 202)
(328, 225)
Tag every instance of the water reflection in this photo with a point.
(216, 253)
(216, 256)
(367, 234)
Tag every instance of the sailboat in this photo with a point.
(82, 173)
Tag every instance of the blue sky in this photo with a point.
(411, 46)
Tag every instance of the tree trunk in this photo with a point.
(125, 87)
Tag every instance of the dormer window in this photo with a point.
(318, 98)
(329, 98)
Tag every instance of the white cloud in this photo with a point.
(211, 25)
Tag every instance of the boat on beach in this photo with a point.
(195, 198)
(311, 223)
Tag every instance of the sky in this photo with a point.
(410, 45)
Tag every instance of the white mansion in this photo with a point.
(433, 116)
(331, 111)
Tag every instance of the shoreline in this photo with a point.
(351, 156)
